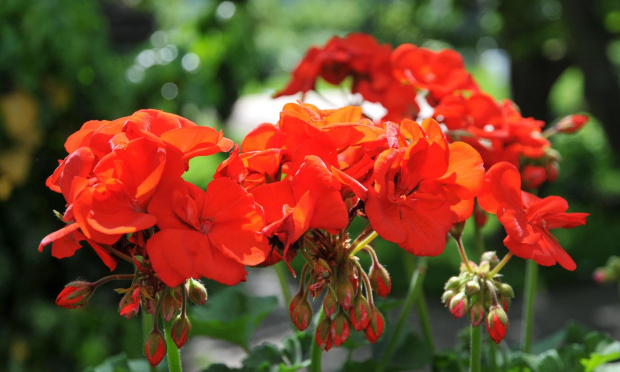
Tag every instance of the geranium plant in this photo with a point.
(293, 188)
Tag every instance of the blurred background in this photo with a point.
(63, 62)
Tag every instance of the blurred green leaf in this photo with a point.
(120, 363)
(231, 315)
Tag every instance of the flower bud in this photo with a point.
(340, 329)
(572, 123)
(458, 305)
(457, 230)
(506, 290)
(447, 296)
(130, 303)
(323, 334)
(354, 277)
(180, 331)
(75, 294)
(491, 258)
(330, 304)
(532, 176)
(599, 276)
(345, 294)
(480, 216)
(197, 292)
(169, 305)
(300, 311)
(497, 323)
(476, 314)
(380, 279)
(453, 283)
(155, 347)
(374, 330)
(360, 313)
(472, 287)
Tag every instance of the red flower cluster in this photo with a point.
(124, 177)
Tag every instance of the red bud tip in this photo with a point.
(330, 304)
(300, 311)
(340, 329)
(572, 123)
(476, 314)
(375, 326)
(130, 303)
(75, 294)
(197, 292)
(345, 294)
(599, 276)
(459, 305)
(360, 313)
(181, 329)
(155, 347)
(323, 334)
(169, 305)
(380, 280)
(497, 323)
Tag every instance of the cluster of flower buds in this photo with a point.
(331, 269)
(480, 295)
(608, 273)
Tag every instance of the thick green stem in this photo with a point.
(493, 356)
(475, 349)
(286, 291)
(531, 280)
(173, 354)
(415, 288)
(363, 243)
(425, 323)
(315, 351)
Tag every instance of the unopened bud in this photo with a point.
(571, 123)
(497, 323)
(506, 290)
(360, 313)
(130, 303)
(472, 287)
(453, 283)
(169, 305)
(491, 258)
(197, 292)
(345, 294)
(380, 279)
(457, 230)
(323, 334)
(374, 330)
(75, 294)
(447, 296)
(155, 347)
(458, 305)
(330, 304)
(476, 314)
(480, 216)
(532, 176)
(599, 276)
(300, 311)
(340, 329)
(181, 329)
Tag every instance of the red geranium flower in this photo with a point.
(527, 218)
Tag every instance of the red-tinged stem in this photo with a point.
(115, 252)
(113, 277)
(366, 283)
(459, 244)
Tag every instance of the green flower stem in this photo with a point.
(286, 291)
(363, 243)
(415, 288)
(172, 353)
(500, 265)
(531, 280)
(315, 351)
(425, 323)
(493, 356)
(475, 349)
(459, 244)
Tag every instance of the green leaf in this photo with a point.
(120, 363)
(232, 316)
(608, 354)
